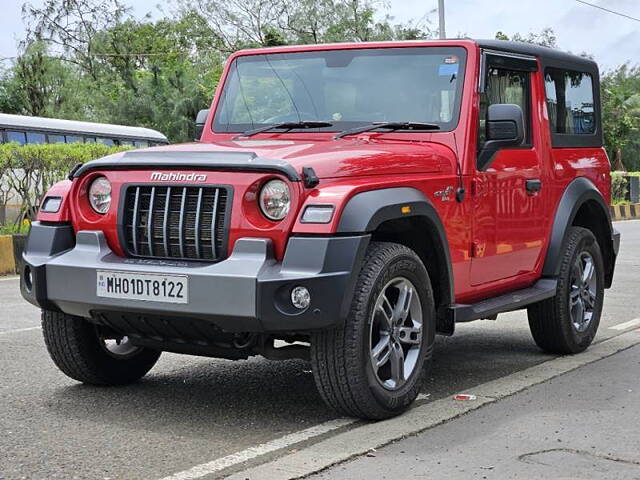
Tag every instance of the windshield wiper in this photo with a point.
(388, 126)
(285, 126)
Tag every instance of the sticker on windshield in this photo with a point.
(448, 69)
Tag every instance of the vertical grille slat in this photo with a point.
(150, 221)
(197, 225)
(165, 222)
(214, 250)
(175, 222)
(134, 222)
(181, 222)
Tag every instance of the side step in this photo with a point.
(543, 289)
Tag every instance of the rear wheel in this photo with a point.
(82, 352)
(373, 366)
(568, 322)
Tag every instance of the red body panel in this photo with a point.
(497, 236)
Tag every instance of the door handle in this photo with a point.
(533, 185)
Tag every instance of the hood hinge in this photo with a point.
(309, 177)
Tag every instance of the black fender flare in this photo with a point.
(577, 193)
(366, 211)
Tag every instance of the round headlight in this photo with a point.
(100, 195)
(275, 199)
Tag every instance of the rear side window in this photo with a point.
(570, 102)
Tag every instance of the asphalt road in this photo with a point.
(190, 410)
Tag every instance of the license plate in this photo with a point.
(143, 286)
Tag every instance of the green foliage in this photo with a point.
(29, 171)
(19, 228)
(545, 38)
(619, 189)
(621, 116)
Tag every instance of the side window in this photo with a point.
(35, 137)
(56, 138)
(74, 139)
(105, 141)
(570, 102)
(90, 140)
(505, 86)
(13, 136)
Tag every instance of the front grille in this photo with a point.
(175, 222)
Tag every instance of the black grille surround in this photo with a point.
(192, 225)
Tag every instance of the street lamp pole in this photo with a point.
(441, 19)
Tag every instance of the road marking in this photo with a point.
(624, 326)
(20, 330)
(357, 441)
(204, 469)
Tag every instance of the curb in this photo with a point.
(625, 212)
(7, 256)
(11, 247)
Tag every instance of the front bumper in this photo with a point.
(247, 292)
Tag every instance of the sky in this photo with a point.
(612, 40)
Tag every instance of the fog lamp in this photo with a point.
(300, 297)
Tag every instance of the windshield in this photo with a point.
(347, 88)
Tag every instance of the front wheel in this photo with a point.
(568, 322)
(372, 367)
(80, 351)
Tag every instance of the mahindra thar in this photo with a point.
(344, 204)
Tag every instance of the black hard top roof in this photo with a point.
(548, 56)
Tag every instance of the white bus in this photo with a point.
(23, 130)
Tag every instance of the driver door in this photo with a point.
(508, 221)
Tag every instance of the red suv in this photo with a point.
(344, 204)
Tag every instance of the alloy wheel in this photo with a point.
(396, 333)
(583, 292)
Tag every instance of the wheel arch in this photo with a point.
(581, 205)
(406, 216)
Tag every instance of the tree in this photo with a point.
(621, 115)
(71, 26)
(545, 38)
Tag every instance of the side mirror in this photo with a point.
(505, 128)
(201, 119)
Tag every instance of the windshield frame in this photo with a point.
(459, 50)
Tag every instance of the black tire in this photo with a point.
(550, 321)
(341, 357)
(77, 350)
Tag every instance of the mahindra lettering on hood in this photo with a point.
(349, 201)
(178, 177)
